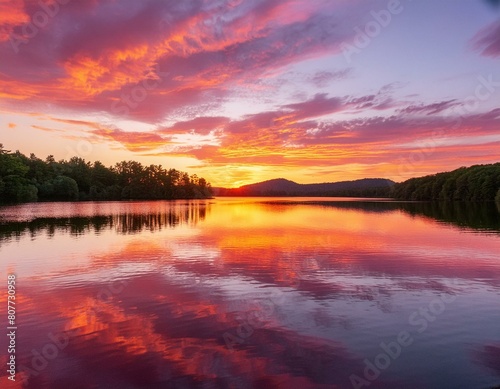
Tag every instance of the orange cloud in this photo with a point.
(47, 129)
(133, 141)
(204, 67)
(12, 14)
(176, 51)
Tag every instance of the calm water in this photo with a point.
(253, 293)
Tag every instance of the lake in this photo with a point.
(252, 293)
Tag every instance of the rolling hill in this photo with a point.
(366, 187)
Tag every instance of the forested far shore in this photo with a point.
(474, 183)
(26, 179)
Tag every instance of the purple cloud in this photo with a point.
(429, 109)
(487, 41)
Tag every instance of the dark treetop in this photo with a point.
(475, 183)
(24, 179)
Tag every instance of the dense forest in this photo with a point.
(24, 179)
(475, 183)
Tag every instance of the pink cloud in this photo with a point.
(318, 106)
(323, 78)
(105, 50)
(487, 41)
(200, 125)
(179, 62)
(277, 138)
(430, 109)
(133, 141)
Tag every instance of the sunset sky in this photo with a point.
(241, 91)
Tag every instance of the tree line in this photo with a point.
(125, 223)
(474, 183)
(25, 179)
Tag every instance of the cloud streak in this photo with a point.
(239, 85)
(103, 49)
(487, 41)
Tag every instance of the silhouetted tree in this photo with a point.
(475, 183)
(29, 178)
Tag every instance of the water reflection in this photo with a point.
(477, 216)
(480, 216)
(169, 215)
(158, 331)
(250, 293)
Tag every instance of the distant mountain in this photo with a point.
(366, 187)
(278, 184)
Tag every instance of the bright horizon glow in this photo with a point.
(246, 91)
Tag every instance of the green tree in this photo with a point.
(12, 165)
(476, 183)
(101, 176)
(26, 178)
(80, 171)
(18, 189)
(39, 171)
(65, 188)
